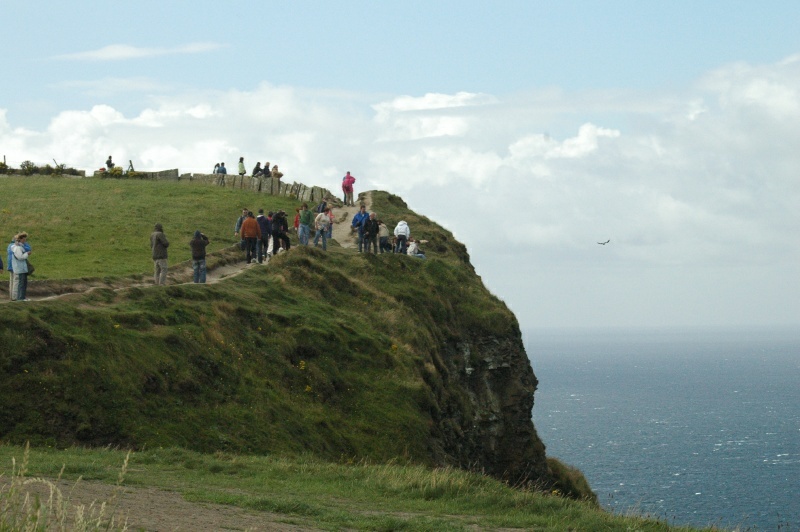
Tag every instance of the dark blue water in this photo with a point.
(695, 427)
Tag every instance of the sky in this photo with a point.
(532, 130)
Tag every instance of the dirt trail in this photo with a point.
(222, 264)
(344, 216)
(158, 509)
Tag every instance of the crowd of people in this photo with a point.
(374, 234)
(258, 170)
(261, 236)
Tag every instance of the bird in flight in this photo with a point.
(604, 243)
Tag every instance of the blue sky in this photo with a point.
(531, 129)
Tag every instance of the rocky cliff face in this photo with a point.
(484, 410)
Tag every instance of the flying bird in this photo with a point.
(604, 243)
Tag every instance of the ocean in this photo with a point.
(695, 427)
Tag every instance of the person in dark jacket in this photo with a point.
(262, 246)
(159, 245)
(198, 245)
(358, 224)
(371, 229)
(280, 226)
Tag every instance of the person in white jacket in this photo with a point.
(402, 232)
(322, 223)
(20, 266)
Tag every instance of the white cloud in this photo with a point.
(413, 118)
(698, 181)
(118, 52)
(110, 86)
(543, 146)
(432, 101)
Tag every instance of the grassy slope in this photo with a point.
(334, 496)
(333, 354)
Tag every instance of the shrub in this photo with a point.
(28, 168)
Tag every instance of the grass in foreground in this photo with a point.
(22, 507)
(325, 495)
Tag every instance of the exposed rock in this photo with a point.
(489, 427)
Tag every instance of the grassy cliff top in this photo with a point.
(332, 353)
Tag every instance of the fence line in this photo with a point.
(262, 185)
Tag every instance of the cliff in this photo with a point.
(341, 355)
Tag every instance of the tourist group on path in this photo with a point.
(373, 234)
(255, 233)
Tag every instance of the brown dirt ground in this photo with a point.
(161, 510)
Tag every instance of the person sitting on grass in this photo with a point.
(413, 249)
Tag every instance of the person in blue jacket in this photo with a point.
(12, 285)
(359, 220)
(19, 262)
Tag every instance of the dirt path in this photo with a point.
(221, 265)
(344, 216)
(158, 509)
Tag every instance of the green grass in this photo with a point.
(334, 496)
(101, 227)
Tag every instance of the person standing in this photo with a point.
(383, 237)
(330, 227)
(304, 227)
(371, 234)
(322, 223)
(12, 290)
(19, 262)
(198, 245)
(402, 232)
(159, 245)
(347, 186)
(238, 226)
(280, 226)
(262, 246)
(12, 284)
(251, 233)
(358, 223)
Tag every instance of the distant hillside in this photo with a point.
(338, 354)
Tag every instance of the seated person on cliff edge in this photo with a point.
(109, 163)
